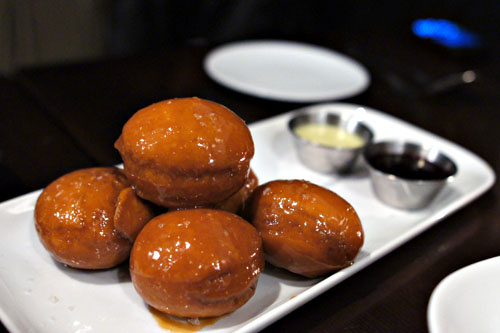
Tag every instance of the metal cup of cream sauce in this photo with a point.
(328, 143)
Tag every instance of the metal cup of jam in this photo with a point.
(407, 175)
(327, 142)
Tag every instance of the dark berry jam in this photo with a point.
(408, 166)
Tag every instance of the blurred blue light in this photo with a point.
(445, 32)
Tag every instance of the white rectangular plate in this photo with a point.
(39, 295)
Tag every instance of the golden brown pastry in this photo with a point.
(74, 218)
(236, 203)
(305, 228)
(131, 214)
(186, 152)
(196, 262)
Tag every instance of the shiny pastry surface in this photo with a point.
(305, 228)
(236, 203)
(197, 262)
(75, 216)
(131, 214)
(186, 152)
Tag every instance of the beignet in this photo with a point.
(305, 228)
(131, 214)
(236, 203)
(196, 262)
(74, 218)
(186, 152)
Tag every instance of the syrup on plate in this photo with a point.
(181, 325)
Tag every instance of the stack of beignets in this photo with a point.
(200, 259)
(180, 154)
(77, 221)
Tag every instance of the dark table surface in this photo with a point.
(60, 118)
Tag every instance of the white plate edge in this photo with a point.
(275, 314)
(438, 290)
(262, 93)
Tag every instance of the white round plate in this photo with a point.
(467, 300)
(286, 71)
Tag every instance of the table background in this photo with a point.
(59, 114)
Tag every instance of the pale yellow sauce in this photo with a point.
(329, 135)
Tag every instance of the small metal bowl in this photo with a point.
(328, 159)
(407, 175)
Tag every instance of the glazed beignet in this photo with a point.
(305, 228)
(236, 203)
(75, 218)
(197, 262)
(186, 152)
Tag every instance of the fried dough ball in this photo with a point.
(186, 152)
(305, 228)
(75, 218)
(236, 203)
(131, 214)
(197, 262)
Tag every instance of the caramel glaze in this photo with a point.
(181, 325)
(186, 152)
(131, 214)
(236, 203)
(305, 228)
(196, 262)
(74, 218)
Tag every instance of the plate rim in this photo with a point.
(217, 51)
(403, 238)
(437, 294)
